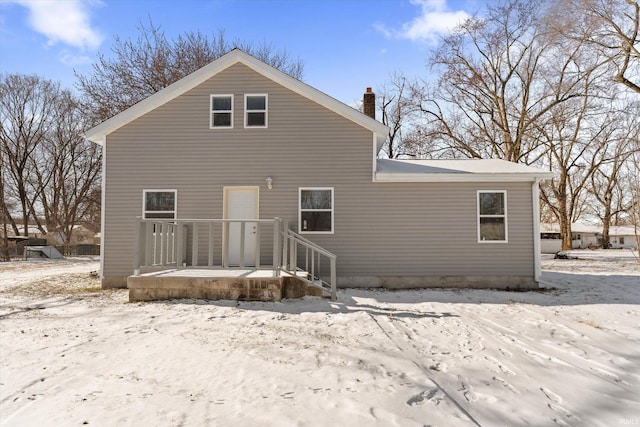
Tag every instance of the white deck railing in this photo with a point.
(162, 243)
(304, 259)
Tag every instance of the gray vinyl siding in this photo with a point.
(381, 229)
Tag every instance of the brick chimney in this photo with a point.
(369, 103)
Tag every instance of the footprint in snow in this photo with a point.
(505, 384)
(551, 395)
(559, 422)
(430, 395)
(555, 406)
(608, 374)
(505, 370)
(467, 390)
(439, 367)
(565, 413)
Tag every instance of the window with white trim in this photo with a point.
(159, 204)
(492, 216)
(221, 112)
(256, 110)
(315, 213)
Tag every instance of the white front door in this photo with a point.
(241, 203)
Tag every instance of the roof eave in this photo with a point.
(314, 94)
(98, 133)
(461, 177)
(96, 139)
(159, 98)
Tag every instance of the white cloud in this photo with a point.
(63, 21)
(435, 19)
(384, 30)
(70, 59)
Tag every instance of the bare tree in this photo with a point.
(67, 169)
(141, 67)
(47, 167)
(396, 103)
(501, 75)
(6, 205)
(612, 197)
(27, 104)
(610, 27)
(4, 214)
(633, 184)
(576, 133)
(513, 86)
(576, 140)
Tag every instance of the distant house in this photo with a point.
(585, 236)
(623, 237)
(32, 230)
(582, 236)
(240, 165)
(80, 234)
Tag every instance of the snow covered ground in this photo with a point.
(72, 354)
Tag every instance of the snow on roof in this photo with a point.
(622, 230)
(456, 170)
(32, 229)
(576, 227)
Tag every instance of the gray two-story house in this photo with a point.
(235, 164)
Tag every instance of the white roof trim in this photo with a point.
(472, 170)
(99, 132)
(477, 177)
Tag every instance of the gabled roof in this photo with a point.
(99, 132)
(487, 170)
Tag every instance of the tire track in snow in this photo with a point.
(602, 370)
(545, 354)
(495, 340)
(532, 348)
(427, 394)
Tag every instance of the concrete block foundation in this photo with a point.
(248, 287)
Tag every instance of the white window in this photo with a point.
(159, 204)
(492, 216)
(315, 215)
(221, 112)
(256, 106)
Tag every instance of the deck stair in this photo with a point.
(166, 267)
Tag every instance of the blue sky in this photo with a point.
(346, 45)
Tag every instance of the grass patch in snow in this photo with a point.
(590, 323)
(59, 285)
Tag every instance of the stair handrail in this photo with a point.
(290, 235)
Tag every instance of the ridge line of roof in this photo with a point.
(98, 133)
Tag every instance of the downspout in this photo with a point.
(535, 198)
(103, 205)
(374, 159)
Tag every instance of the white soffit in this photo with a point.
(99, 132)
